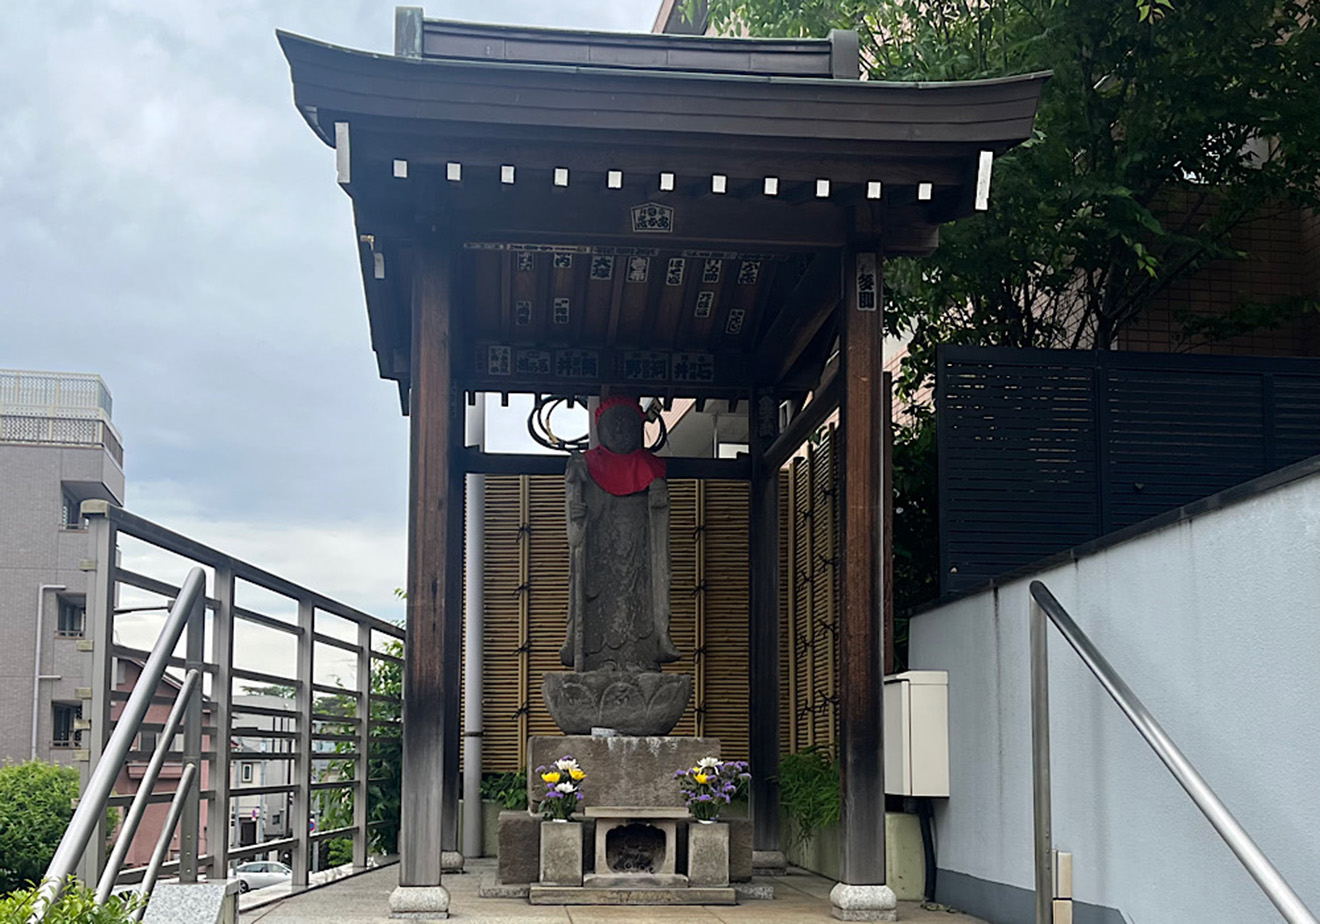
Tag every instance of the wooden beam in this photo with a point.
(763, 627)
(588, 216)
(475, 462)
(860, 625)
(826, 399)
(803, 313)
(435, 543)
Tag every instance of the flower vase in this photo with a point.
(561, 852)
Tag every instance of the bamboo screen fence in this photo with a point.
(526, 599)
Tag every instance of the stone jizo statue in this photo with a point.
(616, 503)
(617, 508)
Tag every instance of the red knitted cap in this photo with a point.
(617, 401)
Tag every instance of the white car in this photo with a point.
(261, 873)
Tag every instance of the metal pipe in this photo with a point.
(37, 676)
(177, 804)
(473, 629)
(91, 805)
(1040, 766)
(1269, 879)
(139, 807)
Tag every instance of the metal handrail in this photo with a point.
(92, 804)
(181, 794)
(1044, 604)
(145, 786)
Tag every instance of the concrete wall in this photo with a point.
(34, 550)
(1215, 623)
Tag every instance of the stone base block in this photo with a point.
(561, 853)
(492, 889)
(635, 881)
(621, 770)
(708, 854)
(211, 902)
(519, 848)
(560, 895)
(769, 863)
(754, 890)
(863, 903)
(451, 861)
(420, 903)
(740, 849)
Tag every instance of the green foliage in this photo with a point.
(1145, 159)
(508, 789)
(76, 905)
(384, 764)
(1141, 166)
(809, 791)
(36, 803)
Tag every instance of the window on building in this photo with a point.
(65, 734)
(147, 741)
(277, 819)
(72, 619)
(71, 517)
(245, 773)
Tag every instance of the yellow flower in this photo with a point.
(701, 778)
(551, 776)
(576, 774)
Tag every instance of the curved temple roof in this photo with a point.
(510, 88)
(723, 176)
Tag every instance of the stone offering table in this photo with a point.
(636, 846)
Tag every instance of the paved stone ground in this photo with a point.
(799, 897)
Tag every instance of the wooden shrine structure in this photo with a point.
(552, 212)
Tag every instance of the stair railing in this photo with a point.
(1043, 604)
(186, 609)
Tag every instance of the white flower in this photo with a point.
(564, 787)
(566, 763)
(707, 763)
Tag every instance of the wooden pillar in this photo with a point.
(435, 578)
(860, 682)
(763, 635)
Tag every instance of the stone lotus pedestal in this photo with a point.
(639, 704)
(561, 853)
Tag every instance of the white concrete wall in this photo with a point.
(1215, 623)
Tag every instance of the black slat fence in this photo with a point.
(1042, 450)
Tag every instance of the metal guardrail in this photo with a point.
(1043, 605)
(185, 612)
(321, 727)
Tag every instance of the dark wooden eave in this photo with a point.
(724, 284)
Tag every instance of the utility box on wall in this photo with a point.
(917, 733)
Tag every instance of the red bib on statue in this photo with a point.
(621, 475)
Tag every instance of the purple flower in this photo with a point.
(579, 796)
(704, 797)
(552, 795)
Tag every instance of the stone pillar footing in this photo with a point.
(451, 861)
(863, 903)
(769, 863)
(420, 903)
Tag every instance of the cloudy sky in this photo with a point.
(172, 224)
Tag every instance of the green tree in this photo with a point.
(384, 767)
(1163, 129)
(36, 803)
